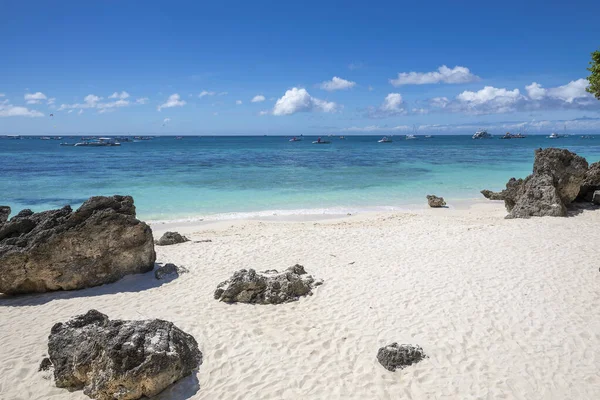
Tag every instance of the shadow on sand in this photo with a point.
(129, 283)
(181, 390)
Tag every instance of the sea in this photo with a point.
(197, 178)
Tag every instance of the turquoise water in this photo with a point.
(203, 176)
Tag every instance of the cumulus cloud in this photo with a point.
(142, 100)
(444, 74)
(206, 93)
(258, 98)
(238, 102)
(174, 100)
(123, 95)
(392, 105)
(492, 100)
(93, 101)
(263, 112)
(337, 83)
(35, 98)
(8, 110)
(51, 101)
(299, 100)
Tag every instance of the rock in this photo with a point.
(596, 197)
(488, 194)
(395, 356)
(64, 250)
(435, 201)
(169, 270)
(539, 198)
(170, 238)
(45, 365)
(4, 213)
(591, 183)
(567, 170)
(553, 185)
(268, 287)
(120, 359)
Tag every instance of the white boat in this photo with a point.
(385, 139)
(295, 139)
(411, 137)
(554, 135)
(101, 142)
(428, 136)
(319, 141)
(482, 135)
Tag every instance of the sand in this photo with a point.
(505, 309)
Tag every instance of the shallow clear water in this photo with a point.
(200, 176)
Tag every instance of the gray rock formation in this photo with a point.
(268, 287)
(395, 356)
(170, 238)
(4, 213)
(435, 201)
(591, 183)
(120, 359)
(63, 250)
(553, 185)
(169, 271)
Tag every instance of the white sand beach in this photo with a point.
(505, 309)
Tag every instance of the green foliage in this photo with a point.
(594, 78)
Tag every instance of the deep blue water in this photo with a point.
(199, 176)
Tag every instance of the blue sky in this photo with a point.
(321, 67)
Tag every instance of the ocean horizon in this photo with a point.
(221, 177)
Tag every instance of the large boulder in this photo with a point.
(63, 250)
(119, 359)
(553, 185)
(268, 287)
(591, 183)
(435, 202)
(398, 356)
(567, 170)
(169, 238)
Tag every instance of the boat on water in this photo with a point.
(411, 137)
(385, 139)
(100, 142)
(45, 138)
(554, 135)
(320, 141)
(428, 136)
(343, 137)
(295, 139)
(482, 135)
(509, 135)
(179, 138)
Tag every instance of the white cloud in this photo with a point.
(80, 112)
(337, 83)
(142, 100)
(174, 100)
(444, 74)
(70, 111)
(258, 98)
(299, 100)
(166, 121)
(238, 102)
(2, 95)
(116, 95)
(93, 101)
(535, 91)
(103, 107)
(392, 105)
(8, 110)
(51, 101)
(264, 112)
(35, 98)
(440, 102)
(206, 93)
(571, 91)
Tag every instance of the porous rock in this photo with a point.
(169, 271)
(268, 287)
(120, 359)
(169, 238)
(399, 356)
(435, 201)
(63, 250)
